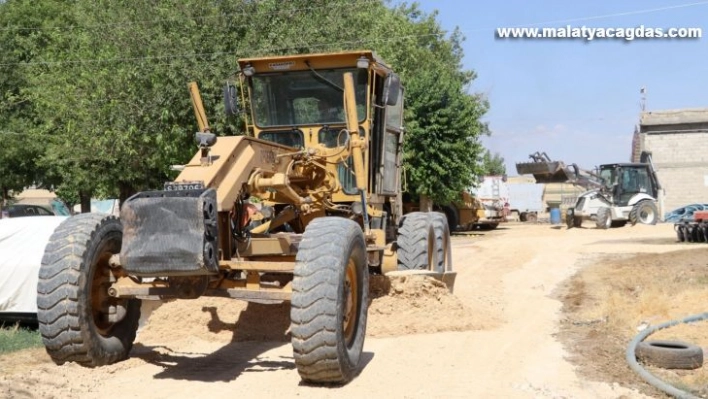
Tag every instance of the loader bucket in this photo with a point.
(545, 171)
(170, 233)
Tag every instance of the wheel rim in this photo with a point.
(351, 290)
(106, 310)
(646, 215)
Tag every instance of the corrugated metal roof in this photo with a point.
(674, 116)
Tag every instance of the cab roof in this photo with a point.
(299, 62)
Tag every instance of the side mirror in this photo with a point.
(205, 139)
(231, 105)
(391, 88)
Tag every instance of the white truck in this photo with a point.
(525, 201)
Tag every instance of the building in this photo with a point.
(678, 143)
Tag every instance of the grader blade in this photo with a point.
(447, 278)
(172, 233)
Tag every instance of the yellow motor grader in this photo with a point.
(302, 208)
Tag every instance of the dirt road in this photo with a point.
(499, 340)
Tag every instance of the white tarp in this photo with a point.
(22, 242)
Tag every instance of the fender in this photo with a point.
(640, 197)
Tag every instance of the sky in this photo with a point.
(577, 100)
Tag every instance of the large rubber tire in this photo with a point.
(644, 212)
(453, 217)
(330, 301)
(442, 243)
(604, 218)
(78, 321)
(670, 354)
(415, 244)
(531, 217)
(569, 218)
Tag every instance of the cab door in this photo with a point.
(389, 176)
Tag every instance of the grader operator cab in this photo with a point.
(302, 208)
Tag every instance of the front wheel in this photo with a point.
(78, 320)
(329, 302)
(570, 218)
(604, 218)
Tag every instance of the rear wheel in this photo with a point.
(531, 217)
(442, 243)
(453, 218)
(644, 212)
(329, 301)
(604, 218)
(416, 242)
(78, 320)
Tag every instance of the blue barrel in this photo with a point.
(555, 215)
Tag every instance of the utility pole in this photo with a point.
(643, 100)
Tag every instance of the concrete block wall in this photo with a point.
(681, 162)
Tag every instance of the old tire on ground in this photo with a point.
(329, 301)
(442, 243)
(604, 218)
(644, 212)
(531, 217)
(670, 354)
(416, 242)
(78, 321)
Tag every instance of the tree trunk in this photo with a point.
(126, 191)
(3, 201)
(426, 205)
(85, 199)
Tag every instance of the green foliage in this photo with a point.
(493, 164)
(97, 90)
(15, 338)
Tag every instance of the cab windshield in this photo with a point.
(608, 176)
(304, 98)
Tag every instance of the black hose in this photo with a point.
(647, 376)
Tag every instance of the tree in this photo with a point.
(493, 165)
(104, 85)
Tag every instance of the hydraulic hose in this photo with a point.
(646, 375)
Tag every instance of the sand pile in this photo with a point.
(398, 306)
